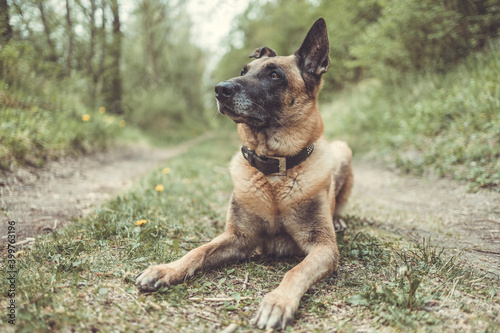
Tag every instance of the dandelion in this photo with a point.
(86, 117)
(122, 123)
(159, 188)
(102, 110)
(166, 171)
(141, 222)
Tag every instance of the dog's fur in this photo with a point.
(274, 102)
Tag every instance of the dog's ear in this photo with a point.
(313, 53)
(263, 52)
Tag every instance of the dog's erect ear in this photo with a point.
(313, 53)
(263, 52)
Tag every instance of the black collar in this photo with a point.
(276, 166)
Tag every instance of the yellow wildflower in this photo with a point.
(140, 222)
(122, 123)
(159, 188)
(166, 171)
(102, 110)
(86, 117)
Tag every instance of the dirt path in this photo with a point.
(69, 188)
(467, 224)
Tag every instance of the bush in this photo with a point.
(426, 35)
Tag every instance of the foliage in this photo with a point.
(163, 70)
(66, 59)
(442, 123)
(40, 123)
(425, 35)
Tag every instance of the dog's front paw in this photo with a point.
(158, 276)
(276, 311)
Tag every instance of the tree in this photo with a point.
(5, 27)
(114, 95)
(48, 30)
(69, 47)
(162, 69)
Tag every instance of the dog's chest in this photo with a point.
(271, 197)
(275, 197)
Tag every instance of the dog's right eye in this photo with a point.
(243, 71)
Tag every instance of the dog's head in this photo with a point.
(278, 91)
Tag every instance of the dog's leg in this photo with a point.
(316, 236)
(225, 248)
(343, 178)
(278, 307)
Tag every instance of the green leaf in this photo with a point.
(357, 300)
(414, 286)
(237, 297)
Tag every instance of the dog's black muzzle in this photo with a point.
(235, 103)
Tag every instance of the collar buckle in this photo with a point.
(281, 167)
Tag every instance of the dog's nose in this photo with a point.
(224, 90)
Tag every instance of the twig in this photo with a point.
(215, 299)
(245, 283)
(230, 329)
(206, 318)
(27, 240)
(493, 221)
(484, 251)
(453, 289)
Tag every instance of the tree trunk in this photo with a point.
(69, 46)
(98, 78)
(90, 58)
(92, 36)
(46, 28)
(5, 27)
(115, 94)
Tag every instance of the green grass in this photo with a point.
(82, 278)
(445, 124)
(31, 136)
(44, 115)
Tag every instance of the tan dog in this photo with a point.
(288, 181)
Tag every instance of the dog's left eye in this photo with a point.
(243, 71)
(274, 76)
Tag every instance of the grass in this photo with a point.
(444, 124)
(31, 136)
(81, 278)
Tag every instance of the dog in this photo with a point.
(289, 182)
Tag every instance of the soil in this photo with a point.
(39, 201)
(464, 223)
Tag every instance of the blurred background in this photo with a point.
(417, 81)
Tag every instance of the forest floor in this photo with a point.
(88, 269)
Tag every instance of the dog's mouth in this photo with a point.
(238, 117)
